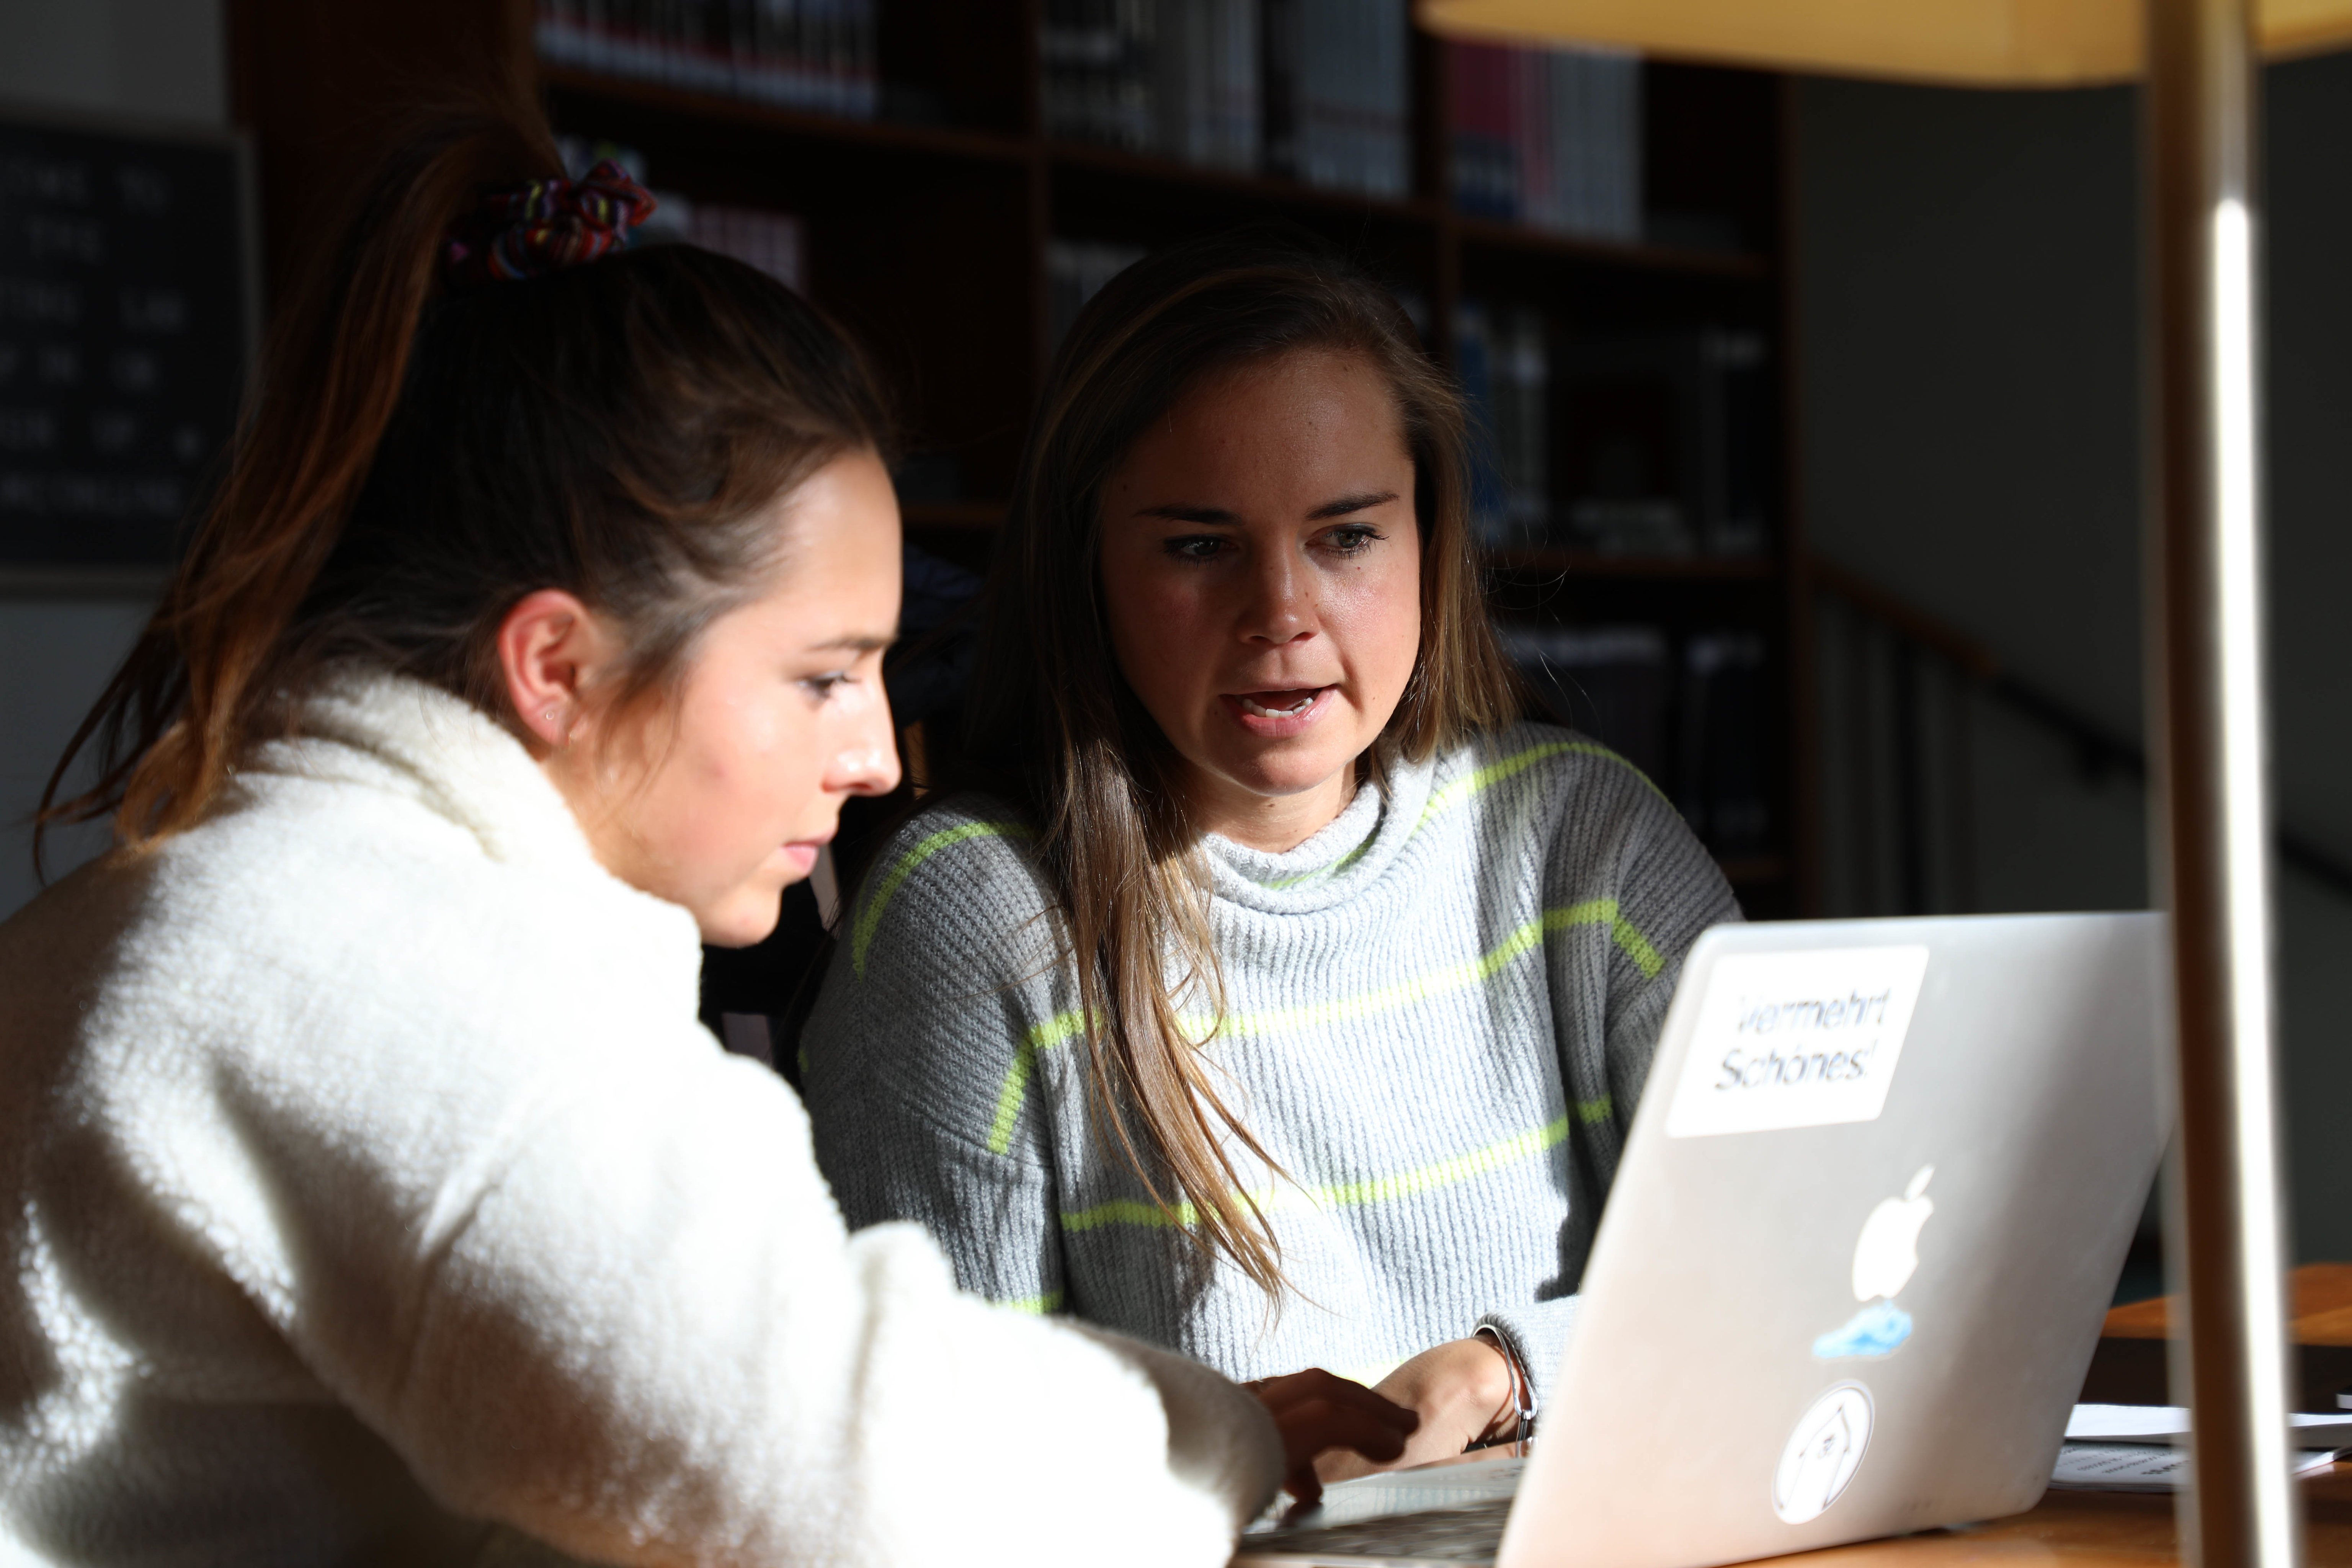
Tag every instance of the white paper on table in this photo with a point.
(2170, 1424)
(2143, 1468)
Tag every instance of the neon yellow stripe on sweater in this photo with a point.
(1447, 1173)
(1041, 1037)
(1036, 1306)
(869, 919)
(1528, 939)
(1495, 773)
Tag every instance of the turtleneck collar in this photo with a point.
(1350, 853)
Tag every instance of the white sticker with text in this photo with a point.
(1796, 1039)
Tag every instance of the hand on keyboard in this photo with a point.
(1320, 1414)
(1462, 1392)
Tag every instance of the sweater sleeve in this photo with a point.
(1537, 1332)
(918, 1056)
(1642, 866)
(679, 1354)
(1619, 861)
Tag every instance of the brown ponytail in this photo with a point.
(413, 462)
(1052, 722)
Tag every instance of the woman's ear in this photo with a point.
(552, 651)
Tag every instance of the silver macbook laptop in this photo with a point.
(1853, 1263)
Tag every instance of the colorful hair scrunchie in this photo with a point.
(545, 225)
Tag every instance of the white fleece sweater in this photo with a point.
(371, 1192)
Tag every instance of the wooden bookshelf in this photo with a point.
(927, 231)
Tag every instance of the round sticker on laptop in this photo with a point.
(1823, 1453)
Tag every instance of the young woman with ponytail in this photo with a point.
(1271, 994)
(369, 1190)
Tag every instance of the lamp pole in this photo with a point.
(2209, 733)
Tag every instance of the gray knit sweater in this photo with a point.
(1439, 1012)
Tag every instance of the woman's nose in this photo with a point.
(1282, 603)
(868, 770)
(868, 762)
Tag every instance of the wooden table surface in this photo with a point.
(2130, 1366)
(2093, 1530)
(2319, 1309)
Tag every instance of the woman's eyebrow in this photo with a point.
(1176, 511)
(1347, 504)
(854, 642)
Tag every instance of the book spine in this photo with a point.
(1503, 180)
(1392, 35)
(864, 36)
(1530, 500)
(1532, 136)
(823, 51)
(1621, 214)
(1739, 443)
(1177, 118)
(1132, 118)
(666, 42)
(557, 33)
(1062, 89)
(1279, 50)
(1597, 143)
(1075, 272)
(1474, 360)
(1484, 112)
(1237, 104)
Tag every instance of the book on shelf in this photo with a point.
(815, 55)
(1342, 71)
(1665, 443)
(774, 242)
(1615, 684)
(1503, 358)
(1720, 769)
(1694, 725)
(1551, 137)
(1207, 88)
(1076, 270)
(1097, 60)
(1317, 91)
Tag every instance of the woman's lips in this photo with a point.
(1280, 714)
(801, 856)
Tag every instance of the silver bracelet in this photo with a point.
(1523, 1393)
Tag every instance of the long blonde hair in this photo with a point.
(1052, 722)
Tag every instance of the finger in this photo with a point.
(1305, 1485)
(1301, 1388)
(1326, 1446)
(1377, 1444)
(1348, 1427)
(1336, 1464)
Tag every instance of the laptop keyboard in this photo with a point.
(1455, 1535)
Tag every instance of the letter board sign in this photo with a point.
(127, 316)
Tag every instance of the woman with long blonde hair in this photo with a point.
(1269, 992)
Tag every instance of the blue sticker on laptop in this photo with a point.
(1876, 1331)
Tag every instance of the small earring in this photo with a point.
(550, 715)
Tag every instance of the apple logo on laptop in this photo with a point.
(1885, 1255)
